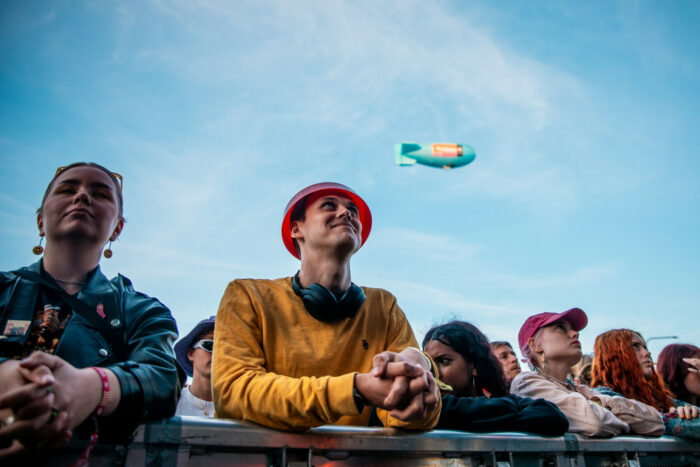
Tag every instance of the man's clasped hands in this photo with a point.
(400, 383)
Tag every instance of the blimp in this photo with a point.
(444, 155)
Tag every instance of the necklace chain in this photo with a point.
(565, 383)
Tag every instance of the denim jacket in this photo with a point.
(134, 340)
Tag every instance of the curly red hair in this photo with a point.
(616, 366)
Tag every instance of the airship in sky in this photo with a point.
(445, 155)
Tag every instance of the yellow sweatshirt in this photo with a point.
(276, 365)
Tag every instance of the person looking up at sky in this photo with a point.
(475, 396)
(679, 367)
(315, 348)
(194, 354)
(550, 343)
(79, 351)
(623, 365)
(506, 356)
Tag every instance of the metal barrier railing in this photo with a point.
(192, 441)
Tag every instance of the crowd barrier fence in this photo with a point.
(199, 442)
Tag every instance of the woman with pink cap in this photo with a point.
(550, 343)
(315, 348)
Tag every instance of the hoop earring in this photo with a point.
(108, 251)
(37, 250)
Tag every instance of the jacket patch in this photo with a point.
(16, 327)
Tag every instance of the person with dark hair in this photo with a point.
(79, 351)
(477, 399)
(550, 343)
(194, 353)
(509, 361)
(679, 367)
(315, 348)
(623, 365)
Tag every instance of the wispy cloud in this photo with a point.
(448, 299)
(578, 277)
(434, 247)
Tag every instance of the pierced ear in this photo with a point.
(117, 230)
(474, 372)
(40, 225)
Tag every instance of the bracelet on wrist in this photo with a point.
(105, 390)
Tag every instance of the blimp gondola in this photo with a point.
(442, 155)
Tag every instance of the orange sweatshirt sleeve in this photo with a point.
(242, 387)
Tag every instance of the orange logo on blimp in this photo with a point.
(447, 150)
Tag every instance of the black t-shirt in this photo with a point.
(50, 318)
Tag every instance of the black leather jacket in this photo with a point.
(134, 340)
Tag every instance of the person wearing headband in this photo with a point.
(80, 352)
(550, 343)
(315, 348)
(194, 355)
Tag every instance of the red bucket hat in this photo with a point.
(575, 316)
(319, 189)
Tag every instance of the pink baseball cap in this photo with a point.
(575, 316)
(320, 189)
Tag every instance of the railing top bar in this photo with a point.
(215, 432)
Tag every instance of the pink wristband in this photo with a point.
(105, 390)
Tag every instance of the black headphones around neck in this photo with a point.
(323, 305)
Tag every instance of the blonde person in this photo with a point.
(315, 349)
(550, 342)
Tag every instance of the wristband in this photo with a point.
(105, 391)
(359, 400)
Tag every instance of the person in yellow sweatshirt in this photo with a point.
(315, 348)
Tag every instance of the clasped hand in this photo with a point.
(400, 383)
(46, 397)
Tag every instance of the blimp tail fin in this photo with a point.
(399, 158)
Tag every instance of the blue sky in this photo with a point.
(584, 117)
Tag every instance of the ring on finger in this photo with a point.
(8, 421)
(48, 389)
(54, 414)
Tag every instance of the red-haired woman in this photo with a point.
(550, 342)
(679, 366)
(622, 365)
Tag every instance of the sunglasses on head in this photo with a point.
(116, 175)
(206, 344)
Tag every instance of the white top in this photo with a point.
(192, 405)
(608, 416)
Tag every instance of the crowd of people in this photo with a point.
(85, 356)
